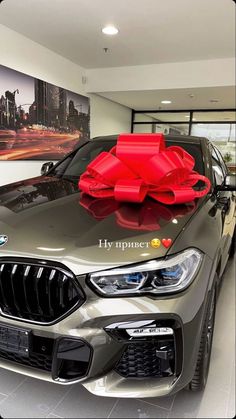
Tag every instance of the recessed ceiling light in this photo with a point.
(166, 102)
(187, 116)
(194, 119)
(110, 30)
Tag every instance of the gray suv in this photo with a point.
(117, 296)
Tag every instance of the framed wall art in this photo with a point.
(39, 121)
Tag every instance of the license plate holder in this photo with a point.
(15, 340)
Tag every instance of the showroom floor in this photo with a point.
(28, 398)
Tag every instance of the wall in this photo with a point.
(108, 117)
(205, 73)
(22, 54)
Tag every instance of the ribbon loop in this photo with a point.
(141, 165)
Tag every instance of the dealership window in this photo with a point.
(216, 125)
(166, 122)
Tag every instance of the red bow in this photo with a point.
(141, 165)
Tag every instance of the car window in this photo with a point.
(76, 164)
(85, 155)
(221, 160)
(60, 168)
(218, 169)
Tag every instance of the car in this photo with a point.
(117, 296)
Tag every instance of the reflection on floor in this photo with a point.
(28, 398)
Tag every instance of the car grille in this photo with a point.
(37, 292)
(39, 361)
(141, 360)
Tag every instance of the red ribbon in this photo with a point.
(142, 165)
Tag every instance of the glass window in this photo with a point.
(85, 155)
(211, 116)
(144, 128)
(59, 170)
(218, 170)
(221, 160)
(180, 129)
(222, 135)
(215, 132)
(162, 117)
(78, 161)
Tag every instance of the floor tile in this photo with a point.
(231, 408)
(2, 397)
(164, 402)
(32, 399)
(9, 381)
(213, 405)
(186, 405)
(131, 408)
(79, 403)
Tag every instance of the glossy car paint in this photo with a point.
(44, 219)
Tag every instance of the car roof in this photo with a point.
(178, 138)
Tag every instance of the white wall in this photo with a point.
(108, 117)
(205, 73)
(22, 54)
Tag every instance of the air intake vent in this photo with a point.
(151, 359)
(37, 292)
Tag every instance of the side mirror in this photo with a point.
(229, 184)
(46, 167)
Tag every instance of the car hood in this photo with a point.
(48, 218)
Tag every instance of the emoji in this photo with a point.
(155, 243)
(167, 242)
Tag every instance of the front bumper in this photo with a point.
(91, 324)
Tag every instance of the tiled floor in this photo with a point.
(27, 398)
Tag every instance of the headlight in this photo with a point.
(156, 277)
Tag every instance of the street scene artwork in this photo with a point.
(39, 121)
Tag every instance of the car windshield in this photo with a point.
(75, 164)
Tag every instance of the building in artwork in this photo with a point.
(49, 108)
(8, 110)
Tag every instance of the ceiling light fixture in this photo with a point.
(110, 30)
(214, 100)
(166, 102)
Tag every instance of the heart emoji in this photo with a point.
(167, 242)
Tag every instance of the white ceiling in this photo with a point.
(151, 31)
(151, 99)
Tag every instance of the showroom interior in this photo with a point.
(131, 67)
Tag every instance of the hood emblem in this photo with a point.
(3, 239)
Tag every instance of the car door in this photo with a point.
(226, 203)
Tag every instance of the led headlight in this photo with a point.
(156, 276)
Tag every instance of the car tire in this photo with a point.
(199, 379)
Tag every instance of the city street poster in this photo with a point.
(39, 121)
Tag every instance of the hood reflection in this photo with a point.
(148, 216)
(23, 195)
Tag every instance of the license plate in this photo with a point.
(14, 340)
